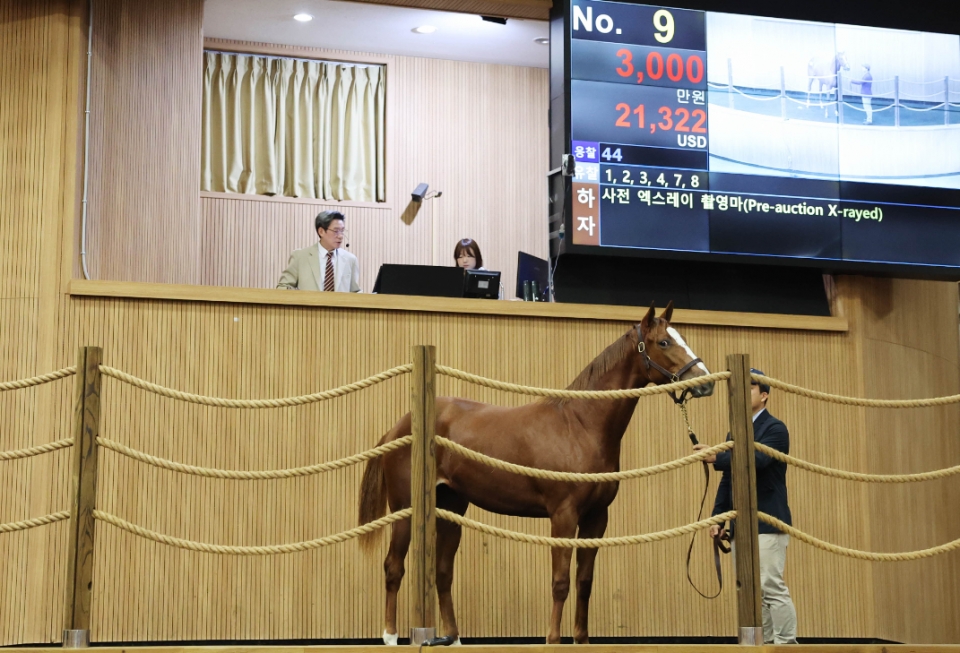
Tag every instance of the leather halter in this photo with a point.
(673, 376)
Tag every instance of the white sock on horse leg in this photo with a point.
(456, 642)
(390, 640)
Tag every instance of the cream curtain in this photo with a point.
(276, 126)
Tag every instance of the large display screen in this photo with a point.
(720, 134)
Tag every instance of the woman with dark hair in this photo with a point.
(467, 255)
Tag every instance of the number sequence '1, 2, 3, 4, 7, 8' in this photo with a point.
(639, 118)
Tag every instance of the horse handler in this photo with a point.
(779, 615)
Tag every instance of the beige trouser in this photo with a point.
(779, 615)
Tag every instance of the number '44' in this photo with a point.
(606, 154)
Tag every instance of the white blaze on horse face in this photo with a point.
(680, 341)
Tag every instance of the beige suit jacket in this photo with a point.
(303, 271)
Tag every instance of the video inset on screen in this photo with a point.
(819, 101)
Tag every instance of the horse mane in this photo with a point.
(603, 363)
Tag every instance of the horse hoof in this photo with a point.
(390, 640)
(456, 642)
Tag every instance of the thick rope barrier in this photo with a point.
(584, 543)
(855, 401)
(282, 402)
(581, 477)
(38, 380)
(37, 450)
(857, 476)
(240, 475)
(855, 553)
(936, 106)
(33, 523)
(252, 550)
(580, 394)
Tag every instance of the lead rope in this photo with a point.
(718, 545)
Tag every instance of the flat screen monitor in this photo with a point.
(535, 270)
(700, 134)
(481, 284)
(427, 280)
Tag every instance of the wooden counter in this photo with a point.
(219, 294)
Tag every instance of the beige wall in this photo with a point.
(902, 342)
(907, 347)
(476, 132)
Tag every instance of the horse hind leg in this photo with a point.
(561, 525)
(592, 525)
(393, 568)
(448, 542)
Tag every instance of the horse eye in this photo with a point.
(664, 343)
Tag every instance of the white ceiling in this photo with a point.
(364, 27)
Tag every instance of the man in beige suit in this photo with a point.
(324, 266)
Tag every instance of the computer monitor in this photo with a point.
(533, 269)
(481, 284)
(427, 280)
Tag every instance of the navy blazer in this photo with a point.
(771, 473)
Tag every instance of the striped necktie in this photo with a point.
(328, 285)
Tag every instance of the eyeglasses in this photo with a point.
(337, 232)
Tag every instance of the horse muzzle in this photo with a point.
(704, 390)
(697, 391)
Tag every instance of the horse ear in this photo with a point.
(647, 322)
(667, 312)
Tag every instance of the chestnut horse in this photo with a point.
(578, 435)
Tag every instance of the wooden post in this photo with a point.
(744, 485)
(783, 95)
(86, 428)
(423, 492)
(840, 96)
(730, 90)
(896, 100)
(946, 100)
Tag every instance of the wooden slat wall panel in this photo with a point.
(143, 215)
(477, 132)
(148, 591)
(38, 89)
(909, 349)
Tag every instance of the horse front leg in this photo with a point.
(393, 568)
(561, 525)
(592, 525)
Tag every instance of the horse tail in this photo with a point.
(373, 500)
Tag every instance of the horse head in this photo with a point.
(666, 355)
(842, 62)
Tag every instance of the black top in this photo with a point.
(771, 473)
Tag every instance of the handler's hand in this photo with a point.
(710, 459)
(716, 531)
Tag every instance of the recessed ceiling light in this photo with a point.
(303, 18)
(425, 29)
(542, 40)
